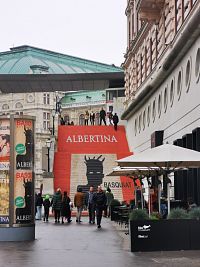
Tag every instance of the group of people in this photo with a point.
(113, 119)
(63, 122)
(90, 117)
(96, 202)
(61, 207)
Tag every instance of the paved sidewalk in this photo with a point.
(83, 245)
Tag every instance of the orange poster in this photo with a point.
(23, 171)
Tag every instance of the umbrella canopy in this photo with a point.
(136, 171)
(164, 156)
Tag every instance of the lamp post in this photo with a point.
(53, 116)
(48, 143)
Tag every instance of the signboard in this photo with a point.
(4, 170)
(23, 171)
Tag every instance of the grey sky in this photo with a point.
(92, 29)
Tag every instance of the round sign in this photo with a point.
(20, 148)
(19, 202)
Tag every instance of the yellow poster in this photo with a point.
(23, 171)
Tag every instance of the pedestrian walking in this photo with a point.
(109, 198)
(102, 116)
(110, 117)
(57, 204)
(92, 118)
(79, 203)
(100, 202)
(86, 116)
(65, 208)
(39, 203)
(115, 121)
(89, 202)
(46, 204)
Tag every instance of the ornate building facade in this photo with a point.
(161, 69)
(162, 78)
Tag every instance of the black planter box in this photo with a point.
(163, 235)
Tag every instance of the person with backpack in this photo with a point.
(57, 204)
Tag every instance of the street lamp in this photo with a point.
(48, 144)
(53, 115)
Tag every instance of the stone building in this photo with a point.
(162, 73)
(27, 60)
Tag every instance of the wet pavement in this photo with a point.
(84, 245)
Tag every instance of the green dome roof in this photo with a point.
(32, 60)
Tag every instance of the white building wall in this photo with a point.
(180, 117)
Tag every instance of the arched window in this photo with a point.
(66, 119)
(5, 106)
(18, 105)
(82, 119)
(97, 118)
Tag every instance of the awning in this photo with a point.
(22, 83)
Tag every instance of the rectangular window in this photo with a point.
(46, 99)
(46, 120)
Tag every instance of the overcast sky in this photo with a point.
(91, 29)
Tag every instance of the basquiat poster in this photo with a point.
(4, 170)
(91, 169)
(86, 154)
(23, 170)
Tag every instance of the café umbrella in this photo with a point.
(137, 173)
(167, 158)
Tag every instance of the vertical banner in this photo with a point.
(23, 171)
(4, 170)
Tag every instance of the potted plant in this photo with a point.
(154, 234)
(194, 220)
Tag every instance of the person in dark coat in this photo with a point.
(65, 209)
(89, 202)
(92, 118)
(57, 204)
(115, 121)
(39, 203)
(102, 116)
(100, 203)
(109, 198)
(62, 121)
(46, 204)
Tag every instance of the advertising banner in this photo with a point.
(23, 171)
(86, 154)
(4, 170)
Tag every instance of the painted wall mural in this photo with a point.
(86, 154)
